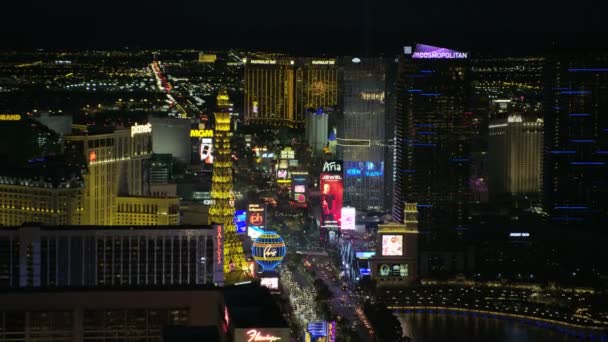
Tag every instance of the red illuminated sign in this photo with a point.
(226, 316)
(257, 336)
(331, 199)
(256, 219)
(92, 156)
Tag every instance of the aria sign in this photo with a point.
(257, 336)
(332, 166)
(140, 129)
(433, 52)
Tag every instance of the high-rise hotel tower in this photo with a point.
(576, 140)
(432, 137)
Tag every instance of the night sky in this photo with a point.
(314, 25)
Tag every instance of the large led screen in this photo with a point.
(207, 150)
(392, 245)
(240, 221)
(348, 218)
(298, 186)
(393, 270)
(331, 199)
(271, 283)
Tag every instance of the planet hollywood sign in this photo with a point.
(140, 129)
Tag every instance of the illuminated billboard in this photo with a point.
(270, 282)
(10, 117)
(262, 335)
(322, 331)
(299, 186)
(423, 51)
(364, 168)
(393, 270)
(206, 151)
(240, 221)
(287, 153)
(254, 232)
(331, 189)
(141, 129)
(392, 245)
(348, 218)
(256, 220)
(282, 174)
(283, 164)
(364, 255)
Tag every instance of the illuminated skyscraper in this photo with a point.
(432, 138)
(269, 92)
(316, 86)
(361, 140)
(116, 160)
(222, 209)
(515, 149)
(280, 90)
(576, 140)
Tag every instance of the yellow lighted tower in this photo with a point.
(411, 216)
(222, 211)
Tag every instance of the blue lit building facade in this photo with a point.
(432, 141)
(361, 132)
(576, 140)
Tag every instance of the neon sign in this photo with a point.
(256, 219)
(434, 52)
(201, 133)
(226, 316)
(333, 166)
(263, 61)
(353, 172)
(324, 62)
(92, 156)
(10, 117)
(257, 336)
(220, 239)
(140, 129)
(270, 252)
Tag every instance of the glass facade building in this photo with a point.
(576, 140)
(432, 141)
(361, 133)
(46, 257)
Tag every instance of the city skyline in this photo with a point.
(391, 191)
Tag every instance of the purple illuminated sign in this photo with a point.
(433, 52)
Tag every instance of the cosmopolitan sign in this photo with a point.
(433, 52)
